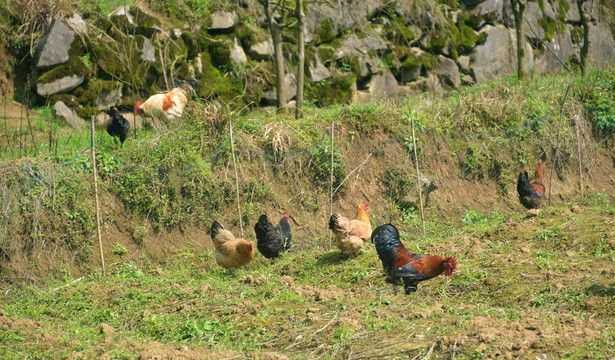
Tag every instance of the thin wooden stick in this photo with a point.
(164, 71)
(100, 246)
(418, 175)
(331, 185)
(580, 156)
(555, 153)
(350, 173)
(230, 125)
(6, 131)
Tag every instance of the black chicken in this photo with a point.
(118, 126)
(272, 241)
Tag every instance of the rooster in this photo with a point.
(351, 234)
(532, 192)
(118, 126)
(402, 265)
(169, 105)
(231, 253)
(272, 241)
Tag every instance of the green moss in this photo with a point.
(249, 34)
(143, 19)
(325, 34)
(178, 49)
(577, 35)
(337, 90)
(424, 59)
(325, 52)
(550, 27)
(191, 44)
(214, 83)
(398, 33)
(74, 67)
(468, 38)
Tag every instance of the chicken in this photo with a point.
(118, 126)
(531, 193)
(400, 263)
(231, 253)
(351, 234)
(272, 241)
(167, 106)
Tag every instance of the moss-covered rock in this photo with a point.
(325, 34)
(336, 90)
(74, 67)
(214, 83)
(576, 35)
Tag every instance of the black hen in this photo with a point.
(272, 241)
(402, 265)
(118, 126)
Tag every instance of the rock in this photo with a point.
(562, 46)
(100, 121)
(573, 12)
(52, 49)
(355, 46)
(176, 34)
(497, 57)
(496, 11)
(77, 23)
(532, 14)
(262, 50)
(222, 21)
(384, 85)
(108, 98)
(237, 53)
(317, 70)
(61, 85)
(464, 64)
(123, 11)
(148, 51)
(270, 97)
(68, 115)
(342, 15)
(532, 212)
(412, 198)
(447, 72)
(601, 46)
(467, 80)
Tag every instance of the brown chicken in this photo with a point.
(351, 234)
(531, 193)
(231, 253)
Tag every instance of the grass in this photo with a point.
(524, 286)
(319, 303)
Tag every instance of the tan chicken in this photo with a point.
(231, 253)
(351, 234)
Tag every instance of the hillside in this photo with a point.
(525, 286)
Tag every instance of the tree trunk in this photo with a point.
(518, 8)
(585, 47)
(278, 57)
(301, 57)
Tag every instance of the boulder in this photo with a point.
(237, 53)
(262, 50)
(124, 12)
(290, 87)
(53, 48)
(562, 46)
(532, 14)
(109, 97)
(77, 23)
(447, 72)
(64, 84)
(317, 70)
(601, 46)
(355, 46)
(222, 21)
(176, 33)
(68, 115)
(464, 64)
(383, 85)
(342, 15)
(147, 50)
(497, 57)
(573, 12)
(494, 11)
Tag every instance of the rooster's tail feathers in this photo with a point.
(333, 221)
(215, 227)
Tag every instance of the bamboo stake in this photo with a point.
(6, 131)
(418, 175)
(580, 156)
(556, 151)
(32, 133)
(230, 125)
(331, 186)
(100, 246)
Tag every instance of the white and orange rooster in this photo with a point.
(167, 106)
